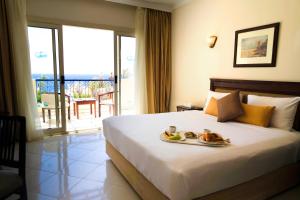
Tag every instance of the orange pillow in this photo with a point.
(212, 107)
(256, 115)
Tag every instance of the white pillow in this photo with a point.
(284, 112)
(216, 95)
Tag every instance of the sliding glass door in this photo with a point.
(126, 74)
(46, 57)
(80, 75)
(89, 75)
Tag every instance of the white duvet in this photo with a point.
(187, 171)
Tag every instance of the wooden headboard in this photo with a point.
(262, 87)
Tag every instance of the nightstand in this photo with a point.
(183, 108)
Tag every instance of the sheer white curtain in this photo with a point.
(140, 65)
(25, 98)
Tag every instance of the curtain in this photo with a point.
(140, 65)
(6, 74)
(16, 86)
(158, 60)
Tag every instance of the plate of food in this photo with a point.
(190, 135)
(212, 139)
(173, 137)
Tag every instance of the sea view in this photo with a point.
(81, 85)
(73, 76)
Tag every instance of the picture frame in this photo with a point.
(257, 46)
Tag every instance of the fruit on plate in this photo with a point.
(172, 136)
(175, 137)
(190, 135)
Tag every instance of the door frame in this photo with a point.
(118, 67)
(56, 56)
(53, 24)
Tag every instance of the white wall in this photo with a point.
(93, 12)
(194, 63)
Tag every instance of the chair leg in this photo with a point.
(95, 110)
(77, 111)
(99, 110)
(69, 114)
(23, 193)
(43, 111)
(49, 114)
(74, 108)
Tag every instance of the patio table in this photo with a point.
(84, 101)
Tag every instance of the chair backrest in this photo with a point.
(106, 96)
(49, 98)
(13, 138)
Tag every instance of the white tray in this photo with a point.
(191, 141)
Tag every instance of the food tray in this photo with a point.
(190, 141)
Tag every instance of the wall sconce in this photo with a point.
(212, 41)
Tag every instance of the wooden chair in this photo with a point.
(12, 156)
(49, 100)
(106, 99)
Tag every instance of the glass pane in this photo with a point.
(43, 75)
(127, 75)
(89, 72)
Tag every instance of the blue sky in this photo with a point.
(86, 51)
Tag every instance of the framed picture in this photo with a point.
(256, 47)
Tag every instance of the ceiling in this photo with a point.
(165, 5)
(169, 2)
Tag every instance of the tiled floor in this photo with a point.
(76, 167)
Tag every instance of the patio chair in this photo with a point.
(48, 100)
(106, 99)
(12, 156)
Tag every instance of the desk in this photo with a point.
(84, 101)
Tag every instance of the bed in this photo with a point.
(260, 162)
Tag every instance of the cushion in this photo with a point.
(284, 112)
(212, 108)
(9, 182)
(216, 95)
(229, 107)
(256, 115)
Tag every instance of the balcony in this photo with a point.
(87, 117)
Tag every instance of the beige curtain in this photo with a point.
(158, 60)
(141, 106)
(16, 84)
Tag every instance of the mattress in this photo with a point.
(186, 171)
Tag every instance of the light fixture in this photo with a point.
(212, 41)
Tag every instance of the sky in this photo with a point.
(86, 51)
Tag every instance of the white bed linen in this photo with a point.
(186, 171)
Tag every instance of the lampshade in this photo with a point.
(212, 41)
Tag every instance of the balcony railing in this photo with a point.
(74, 87)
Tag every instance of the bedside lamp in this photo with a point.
(212, 41)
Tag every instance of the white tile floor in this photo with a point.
(73, 167)
(77, 167)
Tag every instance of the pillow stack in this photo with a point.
(284, 112)
(228, 107)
